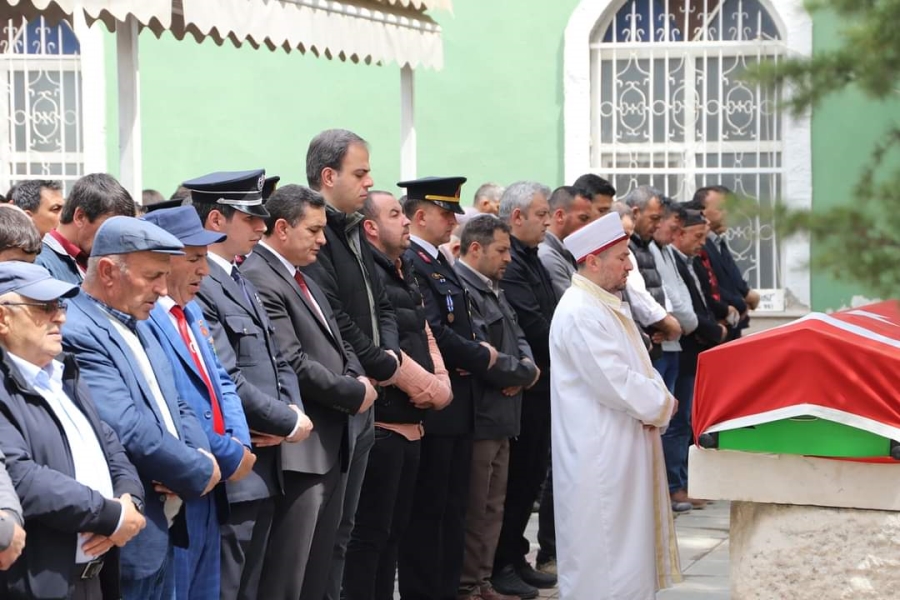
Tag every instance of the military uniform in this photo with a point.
(428, 570)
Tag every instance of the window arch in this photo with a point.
(41, 132)
(660, 101)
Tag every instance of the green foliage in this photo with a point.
(860, 241)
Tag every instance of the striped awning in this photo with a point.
(379, 31)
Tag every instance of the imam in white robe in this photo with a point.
(615, 536)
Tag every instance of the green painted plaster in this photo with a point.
(493, 113)
(844, 131)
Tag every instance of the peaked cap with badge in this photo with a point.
(241, 190)
(443, 191)
(269, 186)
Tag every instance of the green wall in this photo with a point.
(493, 113)
(844, 131)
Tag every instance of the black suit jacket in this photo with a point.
(325, 366)
(343, 280)
(530, 292)
(708, 332)
(245, 345)
(447, 307)
(732, 286)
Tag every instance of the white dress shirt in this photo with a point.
(91, 468)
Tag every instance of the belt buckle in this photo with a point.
(92, 569)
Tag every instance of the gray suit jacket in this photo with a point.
(325, 366)
(245, 345)
(558, 262)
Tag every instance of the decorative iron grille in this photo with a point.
(669, 109)
(40, 103)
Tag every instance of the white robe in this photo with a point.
(615, 538)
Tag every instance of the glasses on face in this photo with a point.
(48, 307)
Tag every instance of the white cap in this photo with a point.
(596, 237)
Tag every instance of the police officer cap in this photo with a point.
(124, 235)
(269, 186)
(241, 190)
(443, 191)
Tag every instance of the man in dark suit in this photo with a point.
(732, 287)
(93, 199)
(529, 291)
(245, 345)
(201, 380)
(337, 166)
(299, 554)
(431, 552)
(133, 384)
(686, 244)
(82, 496)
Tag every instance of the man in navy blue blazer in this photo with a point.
(178, 323)
(733, 288)
(132, 383)
(82, 496)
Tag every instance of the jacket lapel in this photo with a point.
(98, 317)
(276, 266)
(232, 290)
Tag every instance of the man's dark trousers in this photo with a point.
(442, 494)
(382, 515)
(529, 458)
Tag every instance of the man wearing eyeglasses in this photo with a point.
(82, 496)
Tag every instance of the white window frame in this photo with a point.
(89, 63)
(795, 24)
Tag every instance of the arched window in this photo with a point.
(41, 134)
(667, 106)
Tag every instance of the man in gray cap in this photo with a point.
(133, 380)
(83, 496)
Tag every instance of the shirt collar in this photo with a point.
(291, 269)
(491, 284)
(32, 373)
(426, 246)
(222, 262)
(715, 237)
(124, 318)
(77, 254)
(680, 253)
(166, 303)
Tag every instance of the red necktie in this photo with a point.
(713, 280)
(301, 281)
(218, 421)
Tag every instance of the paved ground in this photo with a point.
(703, 546)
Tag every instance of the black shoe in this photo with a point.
(506, 581)
(532, 577)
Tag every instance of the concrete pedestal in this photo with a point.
(805, 528)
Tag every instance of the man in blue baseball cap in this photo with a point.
(134, 383)
(68, 467)
(179, 325)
